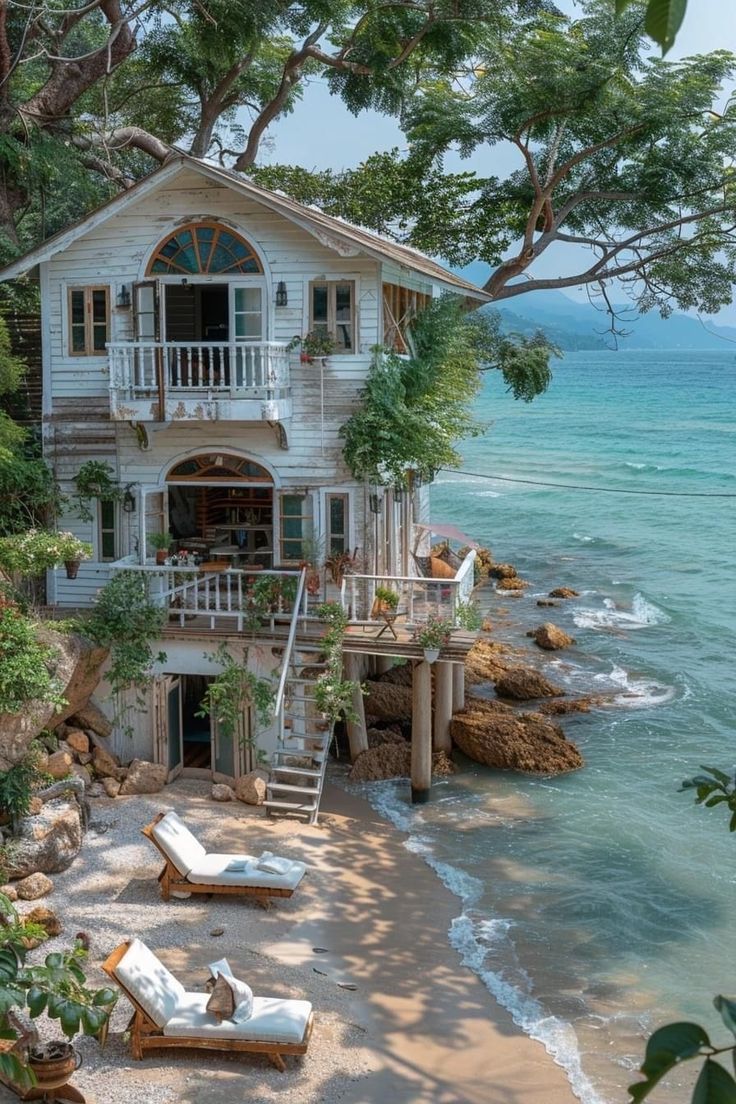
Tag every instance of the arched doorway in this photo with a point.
(221, 506)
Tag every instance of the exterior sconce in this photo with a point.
(282, 298)
(128, 500)
(375, 502)
(398, 493)
(123, 300)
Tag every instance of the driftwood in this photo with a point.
(72, 785)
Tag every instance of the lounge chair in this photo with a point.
(166, 1015)
(189, 869)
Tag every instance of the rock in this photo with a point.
(217, 932)
(46, 917)
(144, 778)
(59, 764)
(388, 701)
(111, 786)
(10, 892)
(48, 842)
(105, 764)
(487, 626)
(563, 592)
(81, 772)
(511, 582)
(34, 886)
(399, 675)
(377, 737)
(76, 665)
(84, 757)
(35, 806)
(572, 705)
(442, 764)
(546, 602)
(221, 792)
(90, 716)
(77, 740)
(493, 734)
(393, 761)
(483, 663)
(251, 788)
(224, 779)
(523, 684)
(550, 637)
(502, 571)
(96, 790)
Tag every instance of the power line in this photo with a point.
(583, 487)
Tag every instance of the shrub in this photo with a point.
(127, 622)
(38, 550)
(24, 673)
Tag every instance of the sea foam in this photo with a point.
(641, 615)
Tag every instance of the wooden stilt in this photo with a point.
(357, 735)
(383, 664)
(421, 733)
(458, 687)
(443, 701)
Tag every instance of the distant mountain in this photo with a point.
(579, 325)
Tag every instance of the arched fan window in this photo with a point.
(204, 247)
(211, 467)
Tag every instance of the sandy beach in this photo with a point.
(417, 1027)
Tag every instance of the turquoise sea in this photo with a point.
(600, 904)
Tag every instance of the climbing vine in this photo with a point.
(234, 690)
(126, 621)
(334, 694)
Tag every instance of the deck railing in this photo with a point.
(235, 369)
(419, 598)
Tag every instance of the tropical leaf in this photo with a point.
(663, 20)
(715, 1085)
(668, 1045)
(727, 1007)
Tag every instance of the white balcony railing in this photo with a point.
(419, 598)
(180, 372)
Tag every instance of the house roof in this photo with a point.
(336, 233)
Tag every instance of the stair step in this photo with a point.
(276, 804)
(315, 756)
(309, 772)
(289, 787)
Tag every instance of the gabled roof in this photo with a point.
(334, 232)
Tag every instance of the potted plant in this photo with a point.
(161, 542)
(58, 988)
(314, 345)
(433, 635)
(385, 600)
(71, 552)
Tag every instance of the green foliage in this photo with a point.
(388, 596)
(29, 496)
(160, 541)
(468, 616)
(314, 345)
(38, 550)
(435, 632)
(333, 694)
(662, 21)
(234, 690)
(415, 408)
(714, 788)
(681, 1042)
(94, 481)
(126, 621)
(24, 665)
(18, 783)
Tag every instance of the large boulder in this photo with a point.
(550, 637)
(77, 740)
(496, 736)
(512, 582)
(221, 792)
(564, 592)
(105, 764)
(393, 761)
(48, 842)
(91, 718)
(251, 788)
(60, 764)
(76, 666)
(144, 778)
(524, 684)
(34, 886)
(484, 662)
(388, 701)
(399, 675)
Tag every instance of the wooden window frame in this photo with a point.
(102, 529)
(306, 516)
(332, 323)
(89, 324)
(345, 535)
(400, 306)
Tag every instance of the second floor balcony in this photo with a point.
(169, 381)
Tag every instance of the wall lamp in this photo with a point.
(128, 500)
(123, 300)
(282, 298)
(375, 501)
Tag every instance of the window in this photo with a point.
(248, 314)
(203, 247)
(107, 529)
(337, 524)
(295, 526)
(332, 311)
(400, 306)
(89, 320)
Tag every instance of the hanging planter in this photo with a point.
(72, 567)
(431, 655)
(432, 636)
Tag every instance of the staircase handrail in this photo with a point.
(296, 613)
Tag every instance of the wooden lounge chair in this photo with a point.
(167, 1016)
(189, 869)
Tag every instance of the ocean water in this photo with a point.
(598, 905)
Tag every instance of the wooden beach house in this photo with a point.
(168, 319)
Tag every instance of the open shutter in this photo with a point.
(146, 313)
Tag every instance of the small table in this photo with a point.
(389, 617)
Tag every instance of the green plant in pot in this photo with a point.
(315, 345)
(433, 635)
(57, 988)
(161, 542)
(385, 600)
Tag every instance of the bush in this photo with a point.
(127, 622)
(18, 783)
(38, 550)
(24, 673)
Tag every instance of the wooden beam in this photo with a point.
(458, 687)
(357, 733)
(421, 733)
(443, 700)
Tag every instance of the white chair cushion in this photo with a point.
(274, 1020)
(147, 979)
(212, 870)
(183, 849)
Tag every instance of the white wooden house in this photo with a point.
(167, 317)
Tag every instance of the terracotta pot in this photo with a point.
(161, 555)
(72, 567)
(52, 1073)
(313, 582)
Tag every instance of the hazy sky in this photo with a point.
(323, 134)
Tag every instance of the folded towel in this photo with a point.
(237, 865)
(272, 864)
(222, 966)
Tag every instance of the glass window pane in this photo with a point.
(77, 306)
(292, 505)
(337, 514)
(248, 299)
(343, 302)
(319, 303)
(344, 337)
(107, 545)
(99, 337)
(78, 344)
(99, 305)
(107, 513)
(292, 550)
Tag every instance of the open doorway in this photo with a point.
(197, 312)
(196, 731)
